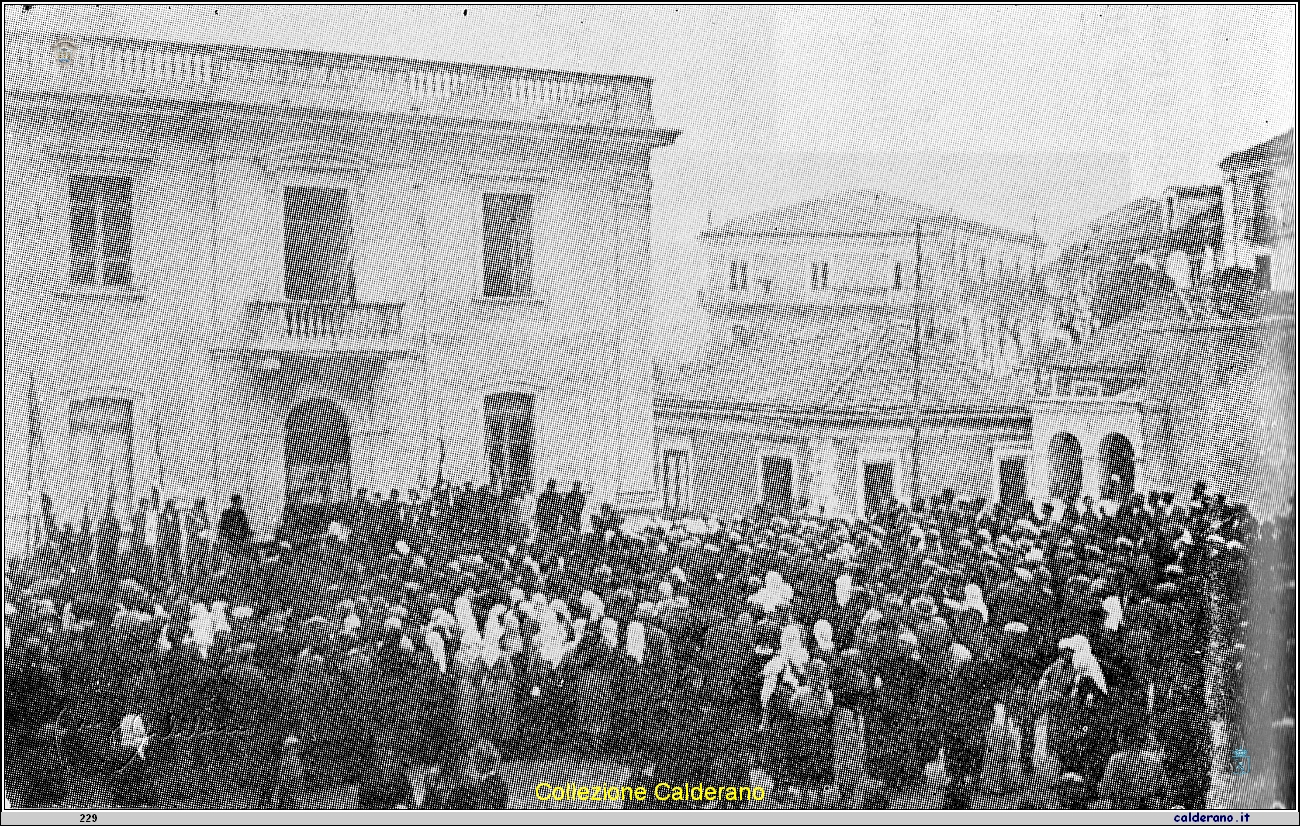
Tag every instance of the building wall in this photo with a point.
(1224, 410)
(1242, 245)
(983, 318)
(207, 239)
(724, 458)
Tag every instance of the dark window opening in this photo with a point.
(509, 439)
(898, 276)
(507, 245)
(318, 245)
(99, 231)
(877, 487)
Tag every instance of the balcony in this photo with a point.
(323, 329)
(245, 77)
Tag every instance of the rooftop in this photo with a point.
(855, 370)
(279, 78)
(1198, 191)
(858, 213)
(1280, 147)
(1120, 347)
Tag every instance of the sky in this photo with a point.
(1042, 117)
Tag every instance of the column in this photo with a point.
(635, 452)
(824, 476)
(1091, 473)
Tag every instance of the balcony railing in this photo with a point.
(275, 77)
(322, 328)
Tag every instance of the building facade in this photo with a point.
(290, 275)
(1259, 188)
(809, 391)
(1179, 392)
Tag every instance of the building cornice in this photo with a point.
(878, 417)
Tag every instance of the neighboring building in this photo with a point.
(808, 389)
(1193, 234)
(810, 265)
(1162, 401)
(1259, 188)
(293, 274)
(1177, 392)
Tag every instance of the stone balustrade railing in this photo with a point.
(308, 326)
(35, 63)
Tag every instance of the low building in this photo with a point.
(809, 389)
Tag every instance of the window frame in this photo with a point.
(103, 161)
(283, 207)
(484, 180)
(512, 295)
(777, 451)
(1003, 453)
(676, 444)
(528, 385)
(99, 257)
(875, 455)
(57, 420)
(301, 178)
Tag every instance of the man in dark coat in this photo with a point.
(575, 502)
(110, 534)
(169, 542)
(550, 506)
(233, 526)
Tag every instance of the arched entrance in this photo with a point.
(317, 459)
(1115, 456)
(1066, 457)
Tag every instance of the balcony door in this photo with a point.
(318, 245)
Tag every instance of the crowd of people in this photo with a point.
(1052, 654)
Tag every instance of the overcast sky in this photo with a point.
(1005, 114)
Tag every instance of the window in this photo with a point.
(1169, 214)
(983, 266)
(877, 486)
(821, 276)
(1013, 487)
(507, 245)
(317, 245)
(1263, 273)
(99, 231)
(777, 483)
(100, 445)
(676, 470)
(740, 336)
(739, 276)
(508, 436)
(965, 257)
(1265, 223)
(898, 276)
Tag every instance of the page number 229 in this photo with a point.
(89, 817)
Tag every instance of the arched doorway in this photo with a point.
(317, 460)
(1115, 455)
(1066, 457)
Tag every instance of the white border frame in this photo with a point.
(875, 455)
(144, 453)
(681, 444)
(481, 181)
(316, 179)
(102, 160)
(770, 450)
